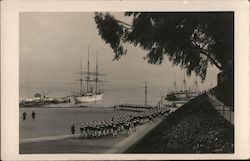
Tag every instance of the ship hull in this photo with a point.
(89, 98)
(181, 96)
(177, 99)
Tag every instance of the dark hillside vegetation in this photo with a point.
(196, 127)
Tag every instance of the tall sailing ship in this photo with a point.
(183, 95)
(89, 85)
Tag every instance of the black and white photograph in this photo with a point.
(127, 82)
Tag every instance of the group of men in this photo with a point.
(121, 124)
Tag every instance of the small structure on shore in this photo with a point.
(39, 100)
(37, 95)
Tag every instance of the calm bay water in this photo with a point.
(111, 96)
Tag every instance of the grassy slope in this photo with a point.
(194, 128)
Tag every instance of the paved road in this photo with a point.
(47, 138)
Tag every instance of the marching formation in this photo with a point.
(134, 106)
(119, 125)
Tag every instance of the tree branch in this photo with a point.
(124, 24)
(205, 52)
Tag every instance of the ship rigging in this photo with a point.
(184, 94)
(89, 84)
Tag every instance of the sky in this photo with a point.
(52, 44)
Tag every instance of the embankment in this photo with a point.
(196, 127)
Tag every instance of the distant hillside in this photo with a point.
(194, 128)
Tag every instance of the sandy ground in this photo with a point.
(65, 144)
(68, 145)
(49, 132)
(57, 121)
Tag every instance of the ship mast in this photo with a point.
(146, 92)
(184, 85)
(196, 87)
(87, 81)
(81, 78)
(175, 87)
(96, 76)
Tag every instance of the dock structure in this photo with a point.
(135, 107)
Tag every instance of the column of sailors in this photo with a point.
(120, 125)
(132, 107)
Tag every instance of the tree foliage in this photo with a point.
(190, 40)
